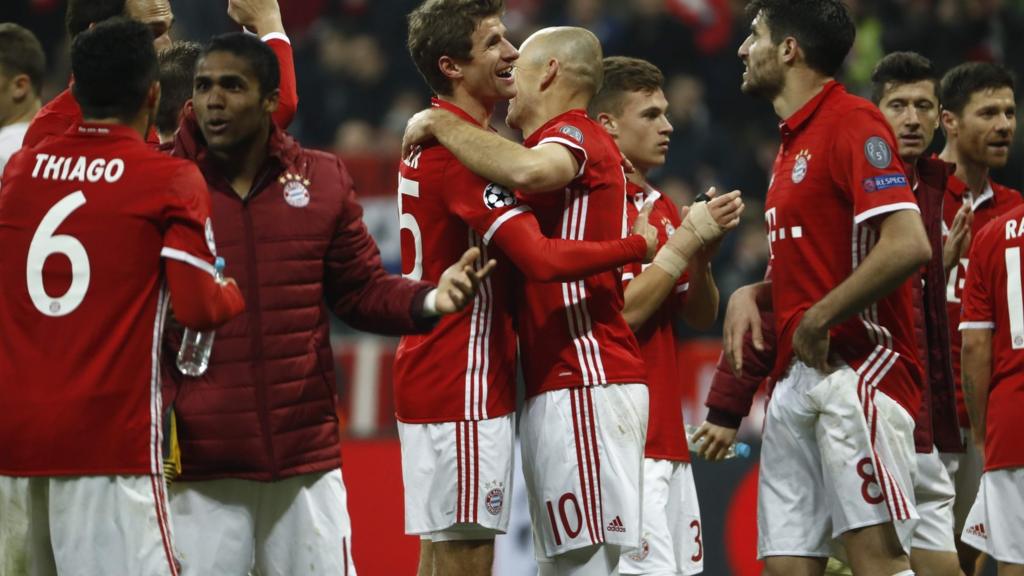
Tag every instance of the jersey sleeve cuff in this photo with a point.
(502, 219)
(879, 210)
(569, 144)
(276, 36)
(977, 326)
(182, 256)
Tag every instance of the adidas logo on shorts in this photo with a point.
(616, 525)
(977, 530)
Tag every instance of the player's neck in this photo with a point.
(21, 112)
(480, 111)
(552, 105)
(974, 174)
(242, 164)
(139, 124)
(910, 162)
(801, 85)
(638, 177)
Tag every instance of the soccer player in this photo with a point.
(585, 380)
(258, 431)
(845, 235)
(95, 227)
(632, 106)
(22, 65)
(455, 387)
(979, 120)
(177, 68)
(993, 335)
(261, 16)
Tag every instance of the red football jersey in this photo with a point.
(666, 438)
(993, 202)
(465, 368)
(84, 221)
(572, 333)
(836, 172)
(992, 300)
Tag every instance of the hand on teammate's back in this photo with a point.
(741, 316)
(418, 130)
(461, 281)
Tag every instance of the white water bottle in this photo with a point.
(736, 449)
(196, 346)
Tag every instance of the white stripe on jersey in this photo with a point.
(478, 346)
(574, 295)
(182, 256)
(156, 465)
(522, 209)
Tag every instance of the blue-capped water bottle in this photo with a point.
(736, 449)
(196, 346)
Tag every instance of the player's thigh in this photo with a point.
(1009, 569)
(463, 557)
(25, 546)
(792, 508)
(996, 522)
(794, 566)
(867, 449)
(303, 521)
(933, 495)
(111, 525)
(214, 525)
(457, 474)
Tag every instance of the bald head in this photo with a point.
(577, 51)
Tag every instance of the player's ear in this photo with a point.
(788, 49)
(449, 67)
(949, 122)
(270, 101)
(609, 123)
(153, 97)
(549, 73)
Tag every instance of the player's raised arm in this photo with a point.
(263, 17)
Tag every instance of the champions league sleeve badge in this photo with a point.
(877, 151)
(496, 196)
(296, 192)
(572, 132)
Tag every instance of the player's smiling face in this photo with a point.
(763, 75)
(157, 15)
(985, 129)
(912, 110)
(642, 129)
(227, 101)
(488, 74)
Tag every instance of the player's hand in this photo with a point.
(741, 316)
(959, 239)
(810, 342)
(418, 130)
(259, 16)
(642, 226)
(716, 441)
(726, 209)
(461, 281)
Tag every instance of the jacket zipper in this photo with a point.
(256, 329)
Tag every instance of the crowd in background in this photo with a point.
(357, 85)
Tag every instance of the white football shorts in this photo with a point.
(85, 525)
(934, 495)
(672, 542)
(280, 528)
(996, 522)
(458, 477)
(583, 463)
(965, 469)
(821, 474)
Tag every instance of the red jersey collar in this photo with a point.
(454, 109)
(535, 137)
(797, 120)
(86, 128)
(958, 188)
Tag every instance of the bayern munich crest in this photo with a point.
(208, 233)
(800, 166)
(296, 192)
(640, 554)
(495, 499)
(496, 196)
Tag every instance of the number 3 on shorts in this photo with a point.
(45, 243)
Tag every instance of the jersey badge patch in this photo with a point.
(296, 192)
(208, 233)
(495, 498)
(878, 153)
(800, 166)
(497, 196)
(667, 225)
(884, 182)
(572, 132)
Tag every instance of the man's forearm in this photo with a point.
(701, 307)
(901, 250)
(644, 295)
(976, 375)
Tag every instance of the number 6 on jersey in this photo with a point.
(44, 244)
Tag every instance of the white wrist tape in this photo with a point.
(671, 261)
(700, 222)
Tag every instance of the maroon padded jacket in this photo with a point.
(730, 397)
(297, 246)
